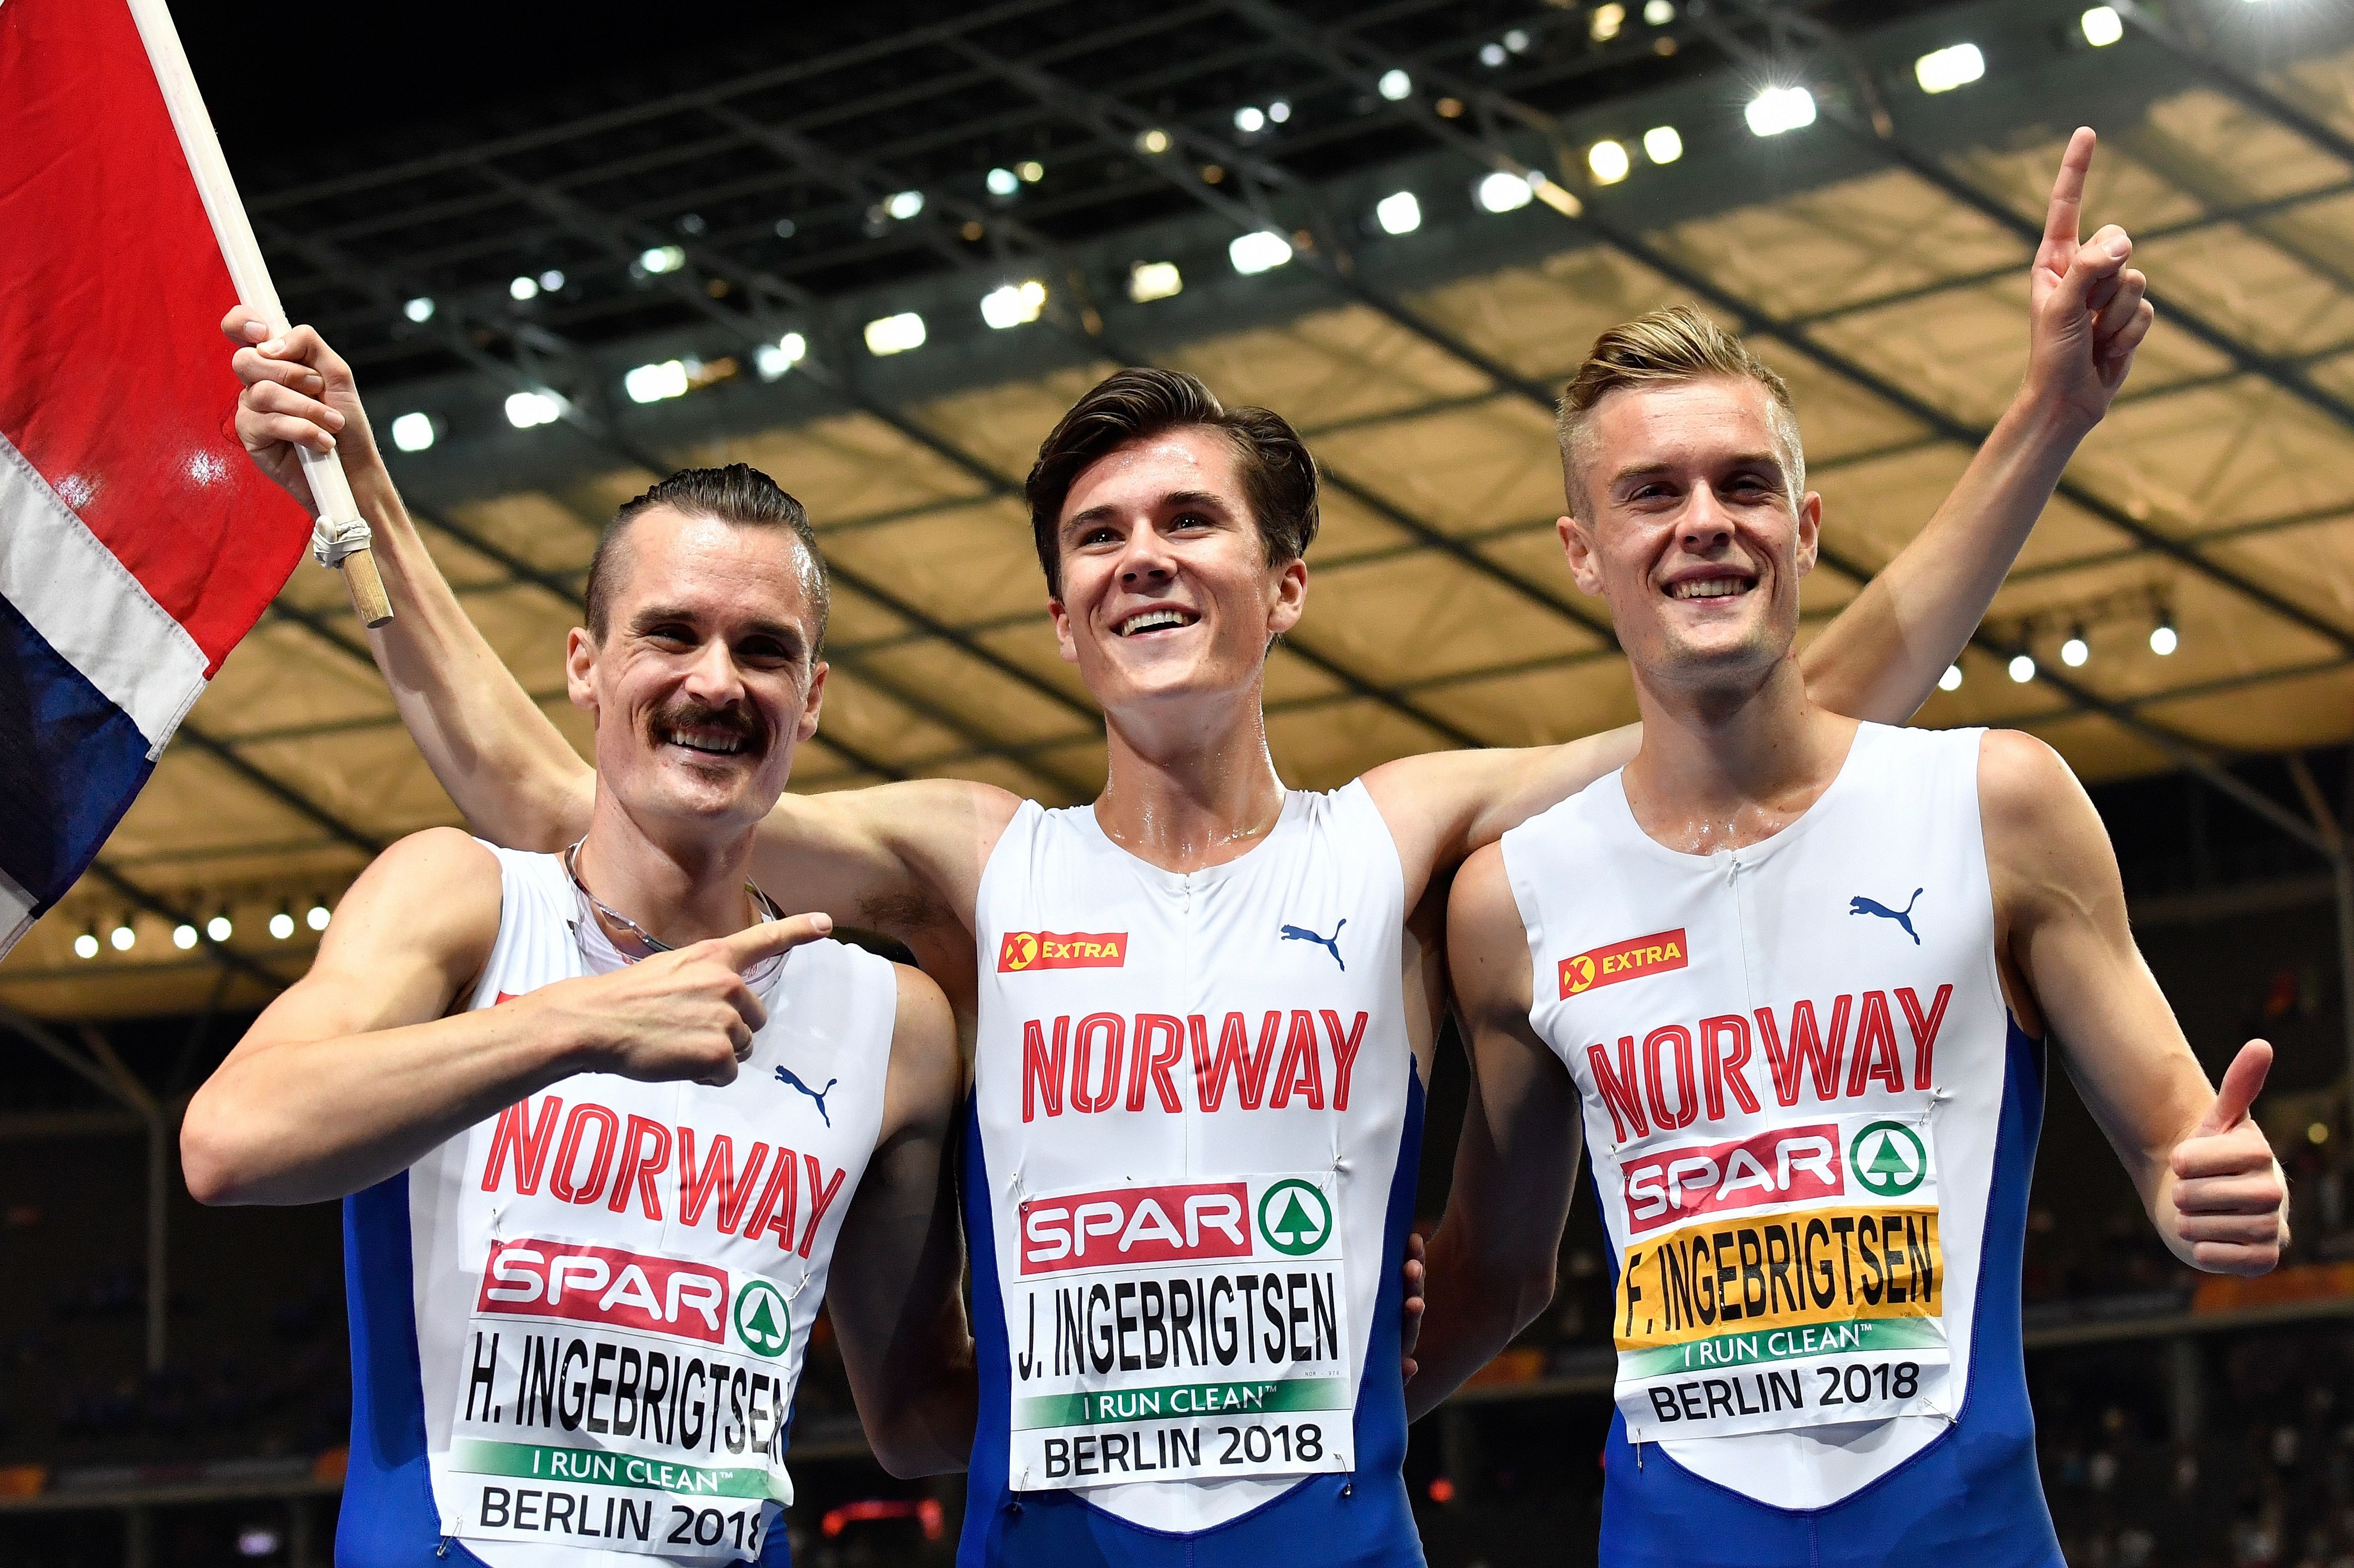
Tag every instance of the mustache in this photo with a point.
(745, 724)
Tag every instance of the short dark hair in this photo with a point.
(1277, 473)
(739, 495)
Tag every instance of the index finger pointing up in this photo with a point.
(2062, 222)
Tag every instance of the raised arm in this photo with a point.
(2205, 1173)
(510, 770)
(898, 1307)
(1491, 1260)
(354, 1072)
(2086, 316)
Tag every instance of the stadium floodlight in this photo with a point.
(1395, 85)
(1659, 13)
(220, 927)
(652, 383)
(663, 258)
(1663, 143)
(122, 936)
(904, 205)
(1951, 680)
(1492, 56)
(1250, 120)
(1398, 213)
(418, 310)
(1152, 144)
(785, 228)
(524, 289)
(1608, 161)
(773, 359)
(551, 280)
(281, 925)
(1278, 111)
(895, 334)
(1779, 109)
(1517, 42)
(1956, 65)
(1261, 250)
(2022, 668)
(1607, 20)
(413, 431)
(1148, 281)
(184, 935)
(2103, 25)
(526, 409)
(1503, 192)
(1031, 170)
(317, 915)
(1003, 182)
(2162, 638)
(86, 945)
(2075, 651)
(1013, 304)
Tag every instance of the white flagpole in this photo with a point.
(342, 536)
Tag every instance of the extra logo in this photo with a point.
(1024, 951)
(1888, 1159)
(1631, 960)
(763, 1322)
(1295, 1217)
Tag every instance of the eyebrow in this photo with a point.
(1203, 500)
(1742, 460)
(794, 638)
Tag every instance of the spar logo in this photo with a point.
(1295, 1217)
(530, 1278)
(1888, 1159)
(1136, 1224)
(763, 1322)
(1024, 951)
(1631, 960)
(1788, 1164)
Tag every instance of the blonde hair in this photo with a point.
(1678, 344)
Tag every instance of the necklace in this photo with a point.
(653, 943)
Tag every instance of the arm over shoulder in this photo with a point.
(1442, 805)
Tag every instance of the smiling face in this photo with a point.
(704, 680)
(1167, 592)
(1691, 526)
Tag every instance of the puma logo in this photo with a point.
(785, 1076)
(1859, 905)
(1331, 943)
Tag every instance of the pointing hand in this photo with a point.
(2086, 310)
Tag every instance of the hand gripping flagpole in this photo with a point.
(339, 537)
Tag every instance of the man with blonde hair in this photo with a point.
(1791, 976)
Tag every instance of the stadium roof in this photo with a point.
(1876, 255)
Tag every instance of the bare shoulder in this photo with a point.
(1486, 946)
(2027, 793)
(926, 1072)
(438, 887)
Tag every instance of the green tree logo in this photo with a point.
(763, 1322)
(1888, 1159)
(1295, 1217)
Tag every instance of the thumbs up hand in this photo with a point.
(2231, 1202)
(686, 1014)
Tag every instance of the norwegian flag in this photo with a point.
(137, 544)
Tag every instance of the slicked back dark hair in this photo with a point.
(1278, 476)
(739, 495)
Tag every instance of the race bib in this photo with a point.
(621, 1400)
(1793, 1278)
(1196, 1329)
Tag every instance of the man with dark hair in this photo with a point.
(737, 494)
(1203, 1007)
(1789, 974)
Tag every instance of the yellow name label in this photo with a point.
(1780, 1271)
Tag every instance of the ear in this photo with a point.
(1810, 531)
(580, 670)
(1064, 641)
(811, 701)
(1290, 598)
(1585, 564)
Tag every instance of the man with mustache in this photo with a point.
(1794, 976)
(1190, 1158)
(589, 1221)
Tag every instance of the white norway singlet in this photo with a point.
(577, 1327)
(1811, 1123)
(1195, 1113)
